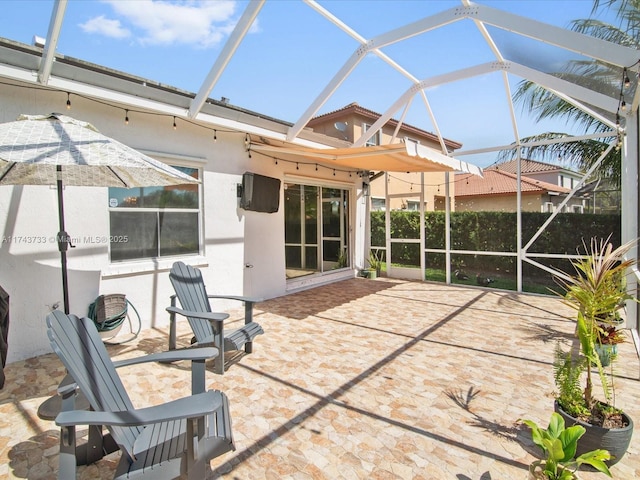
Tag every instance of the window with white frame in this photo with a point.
(375, 138)
(378, 204)
(413, 206)
(154, 222)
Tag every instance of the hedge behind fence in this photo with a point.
(492, 232)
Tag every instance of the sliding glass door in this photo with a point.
(316, 229)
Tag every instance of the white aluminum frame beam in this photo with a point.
(591, 136)
(355, 58)
(233, 42)
(366, 46)
(49, 52)
(576, 42)
(571, 90)
(359, 38)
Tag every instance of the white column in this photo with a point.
(630, 191)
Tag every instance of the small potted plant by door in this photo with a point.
(375, 264)
(559, 446)
(597, 291)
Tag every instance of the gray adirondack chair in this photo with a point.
(159, 442)
(208, 326)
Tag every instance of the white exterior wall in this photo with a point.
(233, 238)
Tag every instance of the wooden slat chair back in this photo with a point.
(154, 440)
(192, 294)
(208, 326)
(86, 359)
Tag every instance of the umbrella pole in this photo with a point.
(63, 240)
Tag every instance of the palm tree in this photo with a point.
(596, 75)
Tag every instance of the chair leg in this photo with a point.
(195, 465)
(248, 318)
(67, 457)
(218, 341)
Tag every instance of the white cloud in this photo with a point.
(106, 27)
(202, 23)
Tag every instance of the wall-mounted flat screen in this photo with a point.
(260, 193)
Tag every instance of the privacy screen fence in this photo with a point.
(485, 243)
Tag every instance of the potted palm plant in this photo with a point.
(375, 264)
(559, 445)
(597, 292)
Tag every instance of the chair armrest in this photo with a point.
(193, 354)
(211, 316)
(238, 298)
(67, 386)
(188, 407)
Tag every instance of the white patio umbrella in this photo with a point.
(58, 150)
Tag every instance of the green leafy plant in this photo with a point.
(559, 445)
(567, 373)
(374, 260)
(597, 292)
(342, 258)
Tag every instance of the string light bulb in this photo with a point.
(175, 127)
(215, 136)
(68, 101)
(126, 117)
(626, 80)
(247, 140)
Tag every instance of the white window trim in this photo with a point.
(146, 265)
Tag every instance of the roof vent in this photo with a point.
(39, 41)
(224, 100)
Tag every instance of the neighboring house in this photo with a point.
(497, 191)
(545, 172)
(351, 121)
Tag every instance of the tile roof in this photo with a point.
(528, 166)
(497, 181)
(355, 108)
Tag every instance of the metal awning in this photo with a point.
(408, 156)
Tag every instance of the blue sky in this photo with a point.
(292, 52)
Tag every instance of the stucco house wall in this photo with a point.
(498, 203)
(242, 252)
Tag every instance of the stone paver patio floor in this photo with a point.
(361, 379)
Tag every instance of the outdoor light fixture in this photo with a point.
(365, 189)
(627, 82)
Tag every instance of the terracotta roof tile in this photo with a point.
(497, 181)
(528, 166)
